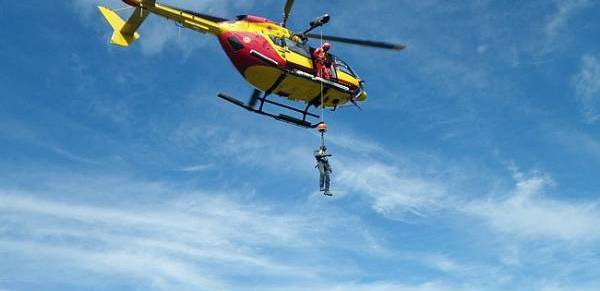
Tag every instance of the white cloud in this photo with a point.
(527, 214)
(270, 145)
(587, 88)
(390, 286)
(565, 10)
(579, 142)
(583, 286)
(85, 8)
(378, 286)
(198, 242)
(360, 145)
(394, 192)
(443, 263)
(197, 168)
(154, 270)
(392, 184)
(14, 129)
(394, 187)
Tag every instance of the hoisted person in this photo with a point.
(323, 163)
(324, 169)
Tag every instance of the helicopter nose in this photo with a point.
(363, 96)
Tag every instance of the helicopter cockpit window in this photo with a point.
(343, 66)
(278, 41)
(297, 47)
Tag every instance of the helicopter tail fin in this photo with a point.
(125, 33)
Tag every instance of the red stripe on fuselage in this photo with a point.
(242, 59)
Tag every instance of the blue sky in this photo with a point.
(473, 165)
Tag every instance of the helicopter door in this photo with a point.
(298, 55)
(279, 46)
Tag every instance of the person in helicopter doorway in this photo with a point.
(324, 169)
(322, 61)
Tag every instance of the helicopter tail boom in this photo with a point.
(125, 32)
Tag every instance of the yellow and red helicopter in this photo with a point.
(269, 56)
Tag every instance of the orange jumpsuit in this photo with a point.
(321, 70)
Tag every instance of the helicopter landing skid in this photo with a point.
(280, 117)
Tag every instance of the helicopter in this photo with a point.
(269, 56)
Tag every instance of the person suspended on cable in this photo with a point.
(324, 169)
(322, 61)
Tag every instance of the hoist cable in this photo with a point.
(322, 97)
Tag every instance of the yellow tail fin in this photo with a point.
(125, 33)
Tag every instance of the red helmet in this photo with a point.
(326, 46)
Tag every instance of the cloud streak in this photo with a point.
(565, 10)
(527, 214)
(195, 243)
(587, 88)
(394, 192)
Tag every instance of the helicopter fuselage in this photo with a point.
(269, 56)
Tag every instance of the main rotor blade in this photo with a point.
(286, 12)
(377, 44)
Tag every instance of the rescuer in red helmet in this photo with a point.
(322, 62)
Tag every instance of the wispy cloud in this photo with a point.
(271, 146)
(588, 146)
(565, 10)
(388, 286)
(555, 286)
(394, 192)
(357, 144)
(443, 263)
(196, 242)
(527, 213)
(196, 168)
(587, 87)
(394, 183)
(15, 130)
